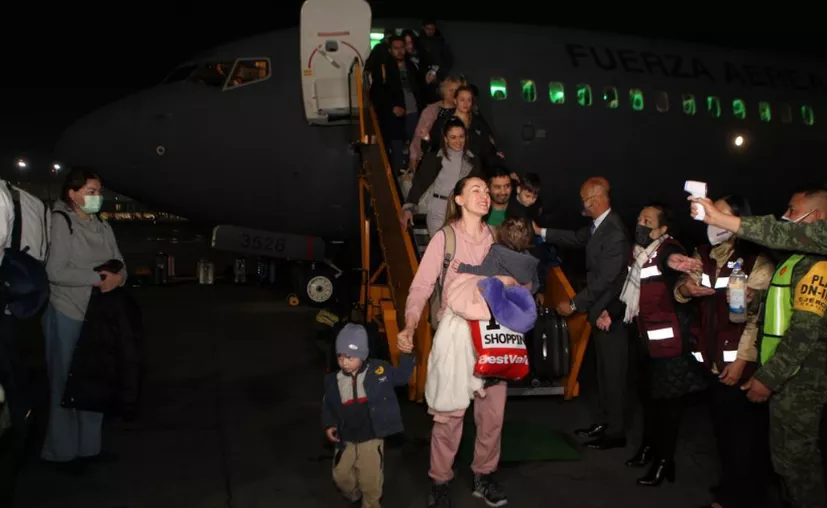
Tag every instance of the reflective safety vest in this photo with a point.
(657, 319)
(778, 308)
(718, 337)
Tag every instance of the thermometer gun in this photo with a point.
(698, 190)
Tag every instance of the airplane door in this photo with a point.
(334, 33)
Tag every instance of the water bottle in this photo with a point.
(738, 294)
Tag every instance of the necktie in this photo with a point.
(593, 228)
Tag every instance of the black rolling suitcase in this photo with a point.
(549, 355)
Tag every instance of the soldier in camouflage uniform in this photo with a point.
(793, 374)
(810, 237)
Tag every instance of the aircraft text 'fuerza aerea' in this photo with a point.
(678, 66)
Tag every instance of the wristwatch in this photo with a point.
(573, 306)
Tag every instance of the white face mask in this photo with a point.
(784, 217)
(717, 235)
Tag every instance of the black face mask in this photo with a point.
(642, 237)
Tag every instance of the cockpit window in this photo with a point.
(212, 73)
(180, 74)
(249, 70)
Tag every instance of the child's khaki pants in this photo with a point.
(357, 471)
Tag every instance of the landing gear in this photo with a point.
(316, 284)
(319, 289)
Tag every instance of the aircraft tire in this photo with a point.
(319, 286)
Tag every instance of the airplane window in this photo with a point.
(248, 71)
(739, 109)
(180, 74)
(689, 106)
(556, 92)
(499, 91)
(807, 115)
(764, 111)
(636, 99)
(529, 90)
(610, 97)
(786, 113)
(662, 102)
(212, 73)
(376, 36)
(713, 106)
(584, 95)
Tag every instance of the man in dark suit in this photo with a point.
(607, 256)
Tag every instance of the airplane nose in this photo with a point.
(95, 140)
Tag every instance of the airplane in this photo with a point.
(257, 133)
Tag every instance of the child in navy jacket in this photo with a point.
(359, 410)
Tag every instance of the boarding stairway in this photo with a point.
(385, 287)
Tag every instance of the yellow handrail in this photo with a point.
(398, 248)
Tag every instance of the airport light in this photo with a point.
(739, 140)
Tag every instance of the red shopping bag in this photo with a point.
(501, 352)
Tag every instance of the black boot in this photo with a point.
(661, 469)
(641, 458)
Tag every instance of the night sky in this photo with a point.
(66, 61)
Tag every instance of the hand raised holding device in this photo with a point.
(697, 190)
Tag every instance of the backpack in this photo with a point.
(447, 257)
(68, 220)
(30, 233)
(25, 285)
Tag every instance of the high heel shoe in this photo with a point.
(661, 469)
(641, 458)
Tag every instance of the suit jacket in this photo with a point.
(607, 258)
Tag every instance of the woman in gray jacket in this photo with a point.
(79, 242)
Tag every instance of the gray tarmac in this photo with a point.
(231, 418)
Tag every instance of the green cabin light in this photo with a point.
(584, 95)
(529, 90)
(713, 106)
(807, 115)
(556, 93)
(739, 109)
(499, 91)
(636, 99)
(765, 111)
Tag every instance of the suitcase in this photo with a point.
(549, 354)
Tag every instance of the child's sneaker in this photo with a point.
(439, 497)
(487, 489)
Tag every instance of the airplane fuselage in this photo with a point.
(247, 155)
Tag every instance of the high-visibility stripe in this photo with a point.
(660, 334)
(778, 308)
(649, 272)
(729, 356)
(721, 282)
(705, 281)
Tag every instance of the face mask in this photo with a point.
(717, 235)
(784, 217)
(642, 237)
(92, 204)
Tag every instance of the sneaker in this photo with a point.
(439, 496)
(487, 489)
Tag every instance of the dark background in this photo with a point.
(63, 61)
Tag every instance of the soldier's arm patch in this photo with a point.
(811, 291)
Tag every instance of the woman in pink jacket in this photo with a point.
(468, 203)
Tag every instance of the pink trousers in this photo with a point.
(446, 436)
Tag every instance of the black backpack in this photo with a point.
(25, 285)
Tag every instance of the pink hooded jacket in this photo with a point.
(464, 296)
(461, 291)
